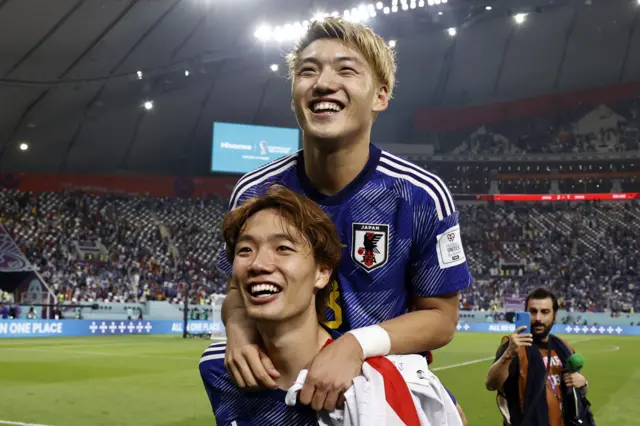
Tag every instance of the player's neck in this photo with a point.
(331, 166)
(292, 345)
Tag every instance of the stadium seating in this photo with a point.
(603, 129)
(588, 252)
(148, 249)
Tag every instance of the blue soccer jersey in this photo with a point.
(234, 407)
(399, 229)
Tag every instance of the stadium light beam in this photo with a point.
(148, 105)
(520, 18)
(24, 146)
(386, 10)
(379, 5)
(263, 33)
(421, 3)
(274, 67)
(452, 31)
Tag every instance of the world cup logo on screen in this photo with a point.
(263, 147)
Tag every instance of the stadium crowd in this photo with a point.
(117, 248)
(602, 129)
(123, 248)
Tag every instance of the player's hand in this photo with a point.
(517, 340)
(331, 373)
(250, 368)
(574, 380)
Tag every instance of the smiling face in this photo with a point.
(275, 269)
(335, 94)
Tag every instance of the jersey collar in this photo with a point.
(352, 188)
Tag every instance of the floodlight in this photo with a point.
(24, 146)
(148, 105)
(139, 74)
(386, 10)
(392, 44)
(379, 5)
(520, 18)
(452, 31)
(274, 67)
(263, 33)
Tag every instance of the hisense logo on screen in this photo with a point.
(229, 145)
(240, 148)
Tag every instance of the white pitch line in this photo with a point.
(475, 361)
(462, 364)
(6, 422)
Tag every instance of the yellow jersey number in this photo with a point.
(335, 307)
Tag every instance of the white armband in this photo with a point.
(374, 340)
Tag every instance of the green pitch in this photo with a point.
(154, 380)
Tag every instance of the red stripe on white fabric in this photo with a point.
(396, 391)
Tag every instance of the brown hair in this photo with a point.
(541, 294)
(303, 215)
(359, 37)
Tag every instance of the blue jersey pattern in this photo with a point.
(233, 407)
(399, 229)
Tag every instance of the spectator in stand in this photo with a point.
(587, 252)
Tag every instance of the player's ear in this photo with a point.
(381, 100)
(323, 275)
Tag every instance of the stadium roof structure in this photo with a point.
(101, 86)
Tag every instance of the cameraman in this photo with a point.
(522, 367)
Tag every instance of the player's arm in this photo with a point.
(499, 371)
(431, 326)
(438, 271)
(233, 313)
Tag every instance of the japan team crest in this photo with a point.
(370, 245)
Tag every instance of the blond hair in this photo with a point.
(356, 36)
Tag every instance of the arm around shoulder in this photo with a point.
(431, 326)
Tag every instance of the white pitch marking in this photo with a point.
(475, 361)
(6, 422)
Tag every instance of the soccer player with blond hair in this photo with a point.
(397, 287)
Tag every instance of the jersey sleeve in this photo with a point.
(438, 262)
(215, 379)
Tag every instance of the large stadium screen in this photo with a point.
(240, 148)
